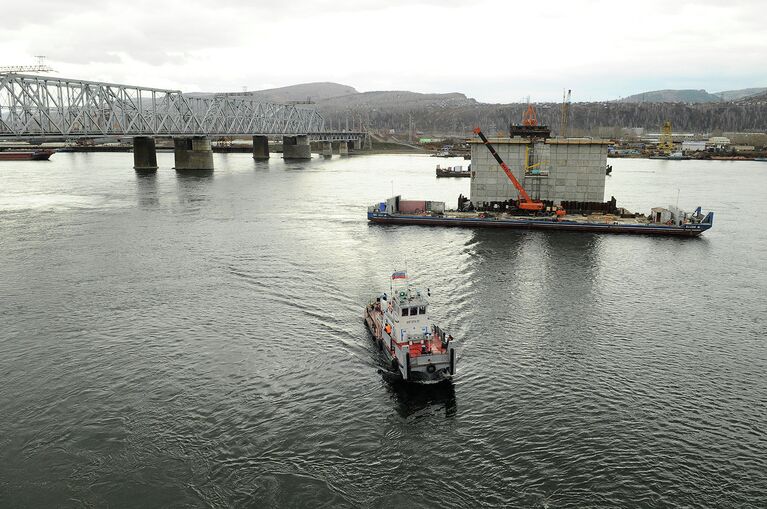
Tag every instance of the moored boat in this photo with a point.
(26, 155)
(453, 171)
(416, 350)
(674, 156)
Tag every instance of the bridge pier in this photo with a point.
(327, 149)
(358, 144)
(144, 154)
(343, 148)
(296, 147)
(260, 148)
(193, 153)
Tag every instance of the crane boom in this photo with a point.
(527, 203)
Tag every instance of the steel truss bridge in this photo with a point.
(43, 107)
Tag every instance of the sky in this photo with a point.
(493, 51)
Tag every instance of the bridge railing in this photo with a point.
(56, 107)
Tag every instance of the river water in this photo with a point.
(172, 340)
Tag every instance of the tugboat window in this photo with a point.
(422, 310)
(413, 311)
(405, 311)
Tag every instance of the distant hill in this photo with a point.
(332, 96)
(396, 99)
(692, 96)
(734, 95)
(760, 99)
(672, 96)
(305, 91)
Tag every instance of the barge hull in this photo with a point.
(40, 155)
(536, 224)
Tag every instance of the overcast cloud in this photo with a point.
(494, 51)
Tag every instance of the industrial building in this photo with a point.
(553, 169)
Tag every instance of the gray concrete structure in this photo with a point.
(296, 147)
(144, 154)
(570, 170)
(260, 148)
(343, 148)
(193, 153)
(327, 149)
(357, 144)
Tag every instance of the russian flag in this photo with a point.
(399, 275)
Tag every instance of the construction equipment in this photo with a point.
(565, 114)
(530, 118)
(525, 202)
(666, 140)
(531, 167)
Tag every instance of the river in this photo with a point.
(172, 340)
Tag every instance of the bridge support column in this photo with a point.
(296, 147)
(327, 149)
(144, 154)
(358, 144)
(193, 153)
(343, 148)
(260, 148)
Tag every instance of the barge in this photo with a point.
(26, 155)
(660, 221)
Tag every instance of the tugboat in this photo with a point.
(417, 351)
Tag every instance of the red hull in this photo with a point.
(36, 155)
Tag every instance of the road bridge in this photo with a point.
(37, 108)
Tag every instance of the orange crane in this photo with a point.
(525, 203)
(530, 118)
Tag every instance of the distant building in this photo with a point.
(633, 131)
(743, 148)
(718, 141)
(693, 146)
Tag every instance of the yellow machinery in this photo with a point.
(666, 141)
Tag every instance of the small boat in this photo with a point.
(763, 159)
(453, 171)
(443, 152)
(26, 155)
(674, 156)
(416, 350)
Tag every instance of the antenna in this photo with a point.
(39, 66)
(565, 113)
